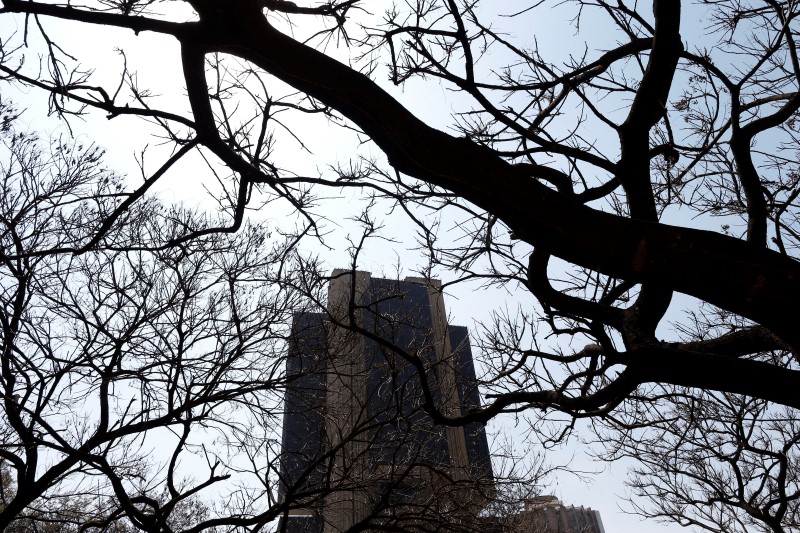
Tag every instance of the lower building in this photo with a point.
(546, 514)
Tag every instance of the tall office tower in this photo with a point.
(358, 444)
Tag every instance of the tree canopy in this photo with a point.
(653, 161)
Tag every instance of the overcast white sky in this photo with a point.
(156, 60)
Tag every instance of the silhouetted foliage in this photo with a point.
(576, 181)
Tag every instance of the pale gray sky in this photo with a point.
(156, 61)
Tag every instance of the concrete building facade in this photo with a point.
(358, 444)
(359, 448)
(546, 514)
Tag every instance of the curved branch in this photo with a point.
(724, 271)
(132, 22)
(539, 285)
(756, 283)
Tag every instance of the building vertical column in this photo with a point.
(446, 365)
(346, 403)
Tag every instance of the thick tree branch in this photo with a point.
(135, 23)
(726, 272)
(754, 283)
(751, 281)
